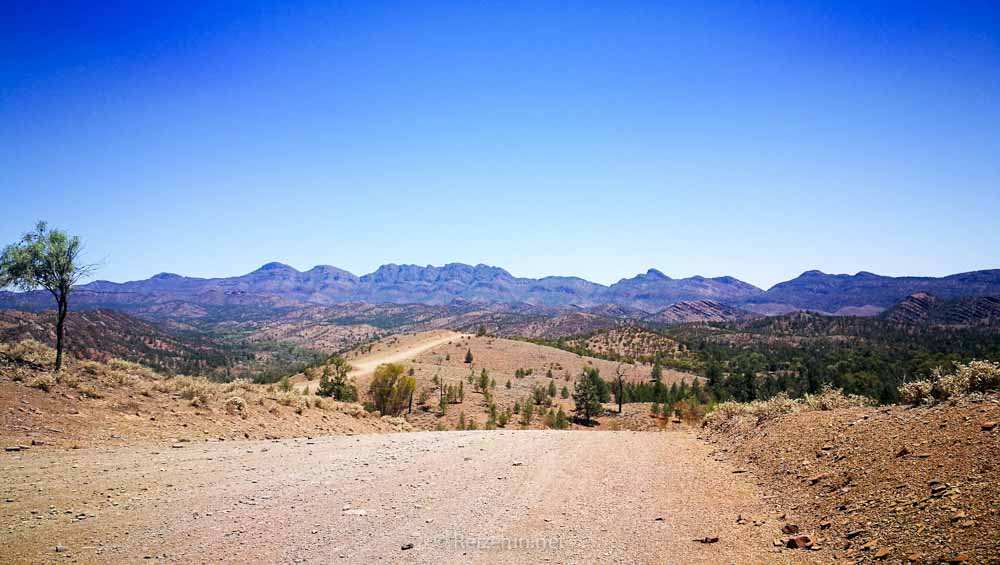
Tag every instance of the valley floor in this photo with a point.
(474, 496)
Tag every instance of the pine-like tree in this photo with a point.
(587, 394)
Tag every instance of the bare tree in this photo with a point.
(620, 379)
(45, 258)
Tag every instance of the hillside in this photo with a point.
(801, 352)
(923, 308)
(699, 311)
(103, 334)
(121, 403)
(897, 484)
(440, 355)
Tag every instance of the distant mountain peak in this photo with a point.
(166, 276)
(657, 274)
(274, 266)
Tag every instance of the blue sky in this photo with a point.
(754, 139)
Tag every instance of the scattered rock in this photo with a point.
(988, 426)
(406, 546)
(517, 464)
(903, 451)
(853, 534)
(882, 553)
(13, 448)
(799, 542)
(708, 539)
(60, 549)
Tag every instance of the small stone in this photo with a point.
(799, 542)
(517, 464)
(903, 452)
(708, 539)
(957, 559)
(988, 426)
(60, 549)
(817, 478)
(790, 529)
(13, 448)
(407, 546)
(882, 553)
(177, 446)
(853, 534)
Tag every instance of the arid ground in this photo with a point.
(498, 496)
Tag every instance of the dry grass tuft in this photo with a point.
(29, 351)
(44, 381)
(728, 415)
(968, 379)
(236, 406)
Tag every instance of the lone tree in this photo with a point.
(45, 258)
(468, 356)
(620, 381)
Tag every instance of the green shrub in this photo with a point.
(390, 389)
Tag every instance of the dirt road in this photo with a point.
(367, 364)
(482, 496)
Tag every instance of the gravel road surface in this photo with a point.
(429, 497)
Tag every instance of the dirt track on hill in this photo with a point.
(480, 496)
(367, 364)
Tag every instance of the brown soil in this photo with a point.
(446, 497)
(894, 483)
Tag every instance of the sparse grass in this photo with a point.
(68, 379)
(89, 391)
(969, 378)
(197, 390)
(729, 414)
(43, 381)
(29, 351)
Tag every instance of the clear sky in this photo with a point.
(754, 139)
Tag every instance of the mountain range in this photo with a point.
(279, 286)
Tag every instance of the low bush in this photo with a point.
(969, 378)
(728, 414)
(236, 406)
(43, 381)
